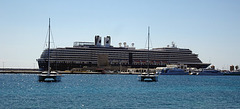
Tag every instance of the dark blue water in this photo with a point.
(119, 91)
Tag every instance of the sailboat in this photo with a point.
(147, 76)
(49, 76)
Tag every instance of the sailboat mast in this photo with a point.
(49, 47)
(148, 48)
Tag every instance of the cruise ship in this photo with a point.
(95, 55)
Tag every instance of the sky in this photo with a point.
(210, 28)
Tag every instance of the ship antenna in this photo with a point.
(49, 48)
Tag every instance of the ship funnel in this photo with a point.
(107, 41)
(125, 44)
(174, 45)
(132, 44)
(97, 40)
(120, 44)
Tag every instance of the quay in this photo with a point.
(36, 71)
(129, 72)
(19, 71)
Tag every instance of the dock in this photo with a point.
(36, 71)
(20, 71)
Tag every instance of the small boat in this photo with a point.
(148, 76)
(233, 73)
(173, 71)
(49, 76)
(210, 72)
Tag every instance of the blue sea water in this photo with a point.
(119, 91)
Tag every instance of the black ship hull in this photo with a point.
(69, 66)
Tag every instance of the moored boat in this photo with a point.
(173, 71)
(232, 73)
(210, 72)
(90, 55)
(49, 76)
(148, 76)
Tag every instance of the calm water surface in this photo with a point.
(119, 91)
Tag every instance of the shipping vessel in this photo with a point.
(95, 55)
